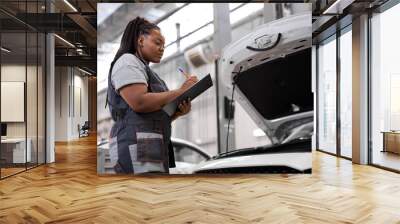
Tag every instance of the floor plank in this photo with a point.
(70, 191)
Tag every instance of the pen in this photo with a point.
(184, 73)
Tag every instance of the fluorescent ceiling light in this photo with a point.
(5, 50)
(65, 41)
(70, 5)
(84, 71)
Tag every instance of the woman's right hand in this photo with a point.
(189, 82)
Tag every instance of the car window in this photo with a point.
(187, 154)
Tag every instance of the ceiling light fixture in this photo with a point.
(5, 50)
(70, 5)
(65, 41)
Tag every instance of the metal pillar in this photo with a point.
(178, 36)
(50, 92)
(222, 37)
(360, 90)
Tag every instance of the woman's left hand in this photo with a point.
(184, 108)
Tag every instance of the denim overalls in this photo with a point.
(140, 142)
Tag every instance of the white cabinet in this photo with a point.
(18, 149)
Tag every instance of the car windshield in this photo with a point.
(299, 145)
(188, 155)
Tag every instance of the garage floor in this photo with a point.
(70, 191)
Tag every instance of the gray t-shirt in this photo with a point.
(128, 69)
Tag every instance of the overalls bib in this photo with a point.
(140, 142)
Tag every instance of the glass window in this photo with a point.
(31, 97)
(105, 55)
(41, 87)
(170, 50)
(106, 10)
(187, 21)
(198, 35)
(14, 153)
(385, 89)
(327, 95)
(22, 91)
(244, 11)
(187, 154)
(346, 93)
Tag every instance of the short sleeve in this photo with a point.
(128, 71)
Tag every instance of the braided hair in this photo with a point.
(129, 42)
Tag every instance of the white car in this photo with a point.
(187, 156)
(271, 68)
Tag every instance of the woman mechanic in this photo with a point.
(140, 137)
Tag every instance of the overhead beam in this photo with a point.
(81, 61)
(47, 22)
(86, 27)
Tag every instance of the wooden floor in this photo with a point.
(387, 159)
(10, 171)
(70, 191)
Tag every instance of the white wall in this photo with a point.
(14, 73)
(61, 103)
(81, 84)
(69, 85)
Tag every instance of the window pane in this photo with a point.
(13, 81)
(187, 21)
(31, 97)
(187, 155)
(41, 98)
(197, 36)
(385, 87)
(345, 94)
(244, 11)
(170, 50)
(327, 96)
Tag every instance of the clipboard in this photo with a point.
(194, 91)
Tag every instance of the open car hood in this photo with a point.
(271, 68)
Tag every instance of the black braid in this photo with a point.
(135, 28)
(129, 41)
